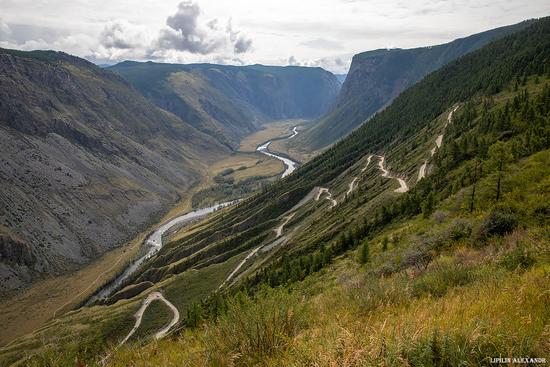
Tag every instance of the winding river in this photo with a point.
(153, 244)
(289, 163)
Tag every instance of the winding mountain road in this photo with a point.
(351, 186)
(368, 162)
(385, 173)
(329, 197)
(279, 229)
(438, 143)
(422, 171)
(139, 316)
(252, 253)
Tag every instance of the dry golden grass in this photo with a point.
(282, 146)
(357, 318)
(31, 308)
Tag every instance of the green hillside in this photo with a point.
(229, 102)
(354, 259)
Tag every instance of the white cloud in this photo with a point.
(188, 31)
(5, 31)
(315, 32)
(336, 64)
(121, 34)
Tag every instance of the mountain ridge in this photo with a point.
(376, 77)
(228, 101)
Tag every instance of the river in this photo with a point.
(290, 165)
(153, 244)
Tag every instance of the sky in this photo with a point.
(325, 33)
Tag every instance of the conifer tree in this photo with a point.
(499, 155)
(364, 253)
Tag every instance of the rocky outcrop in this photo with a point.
(15, 251)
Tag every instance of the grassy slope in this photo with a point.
(473, 301)
(400, 308)
(86, 333)
(463, 276)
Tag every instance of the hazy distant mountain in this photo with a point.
(86, 162)
(229, 102)
(376, 77)
(341, 77)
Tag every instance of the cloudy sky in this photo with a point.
(280, 32)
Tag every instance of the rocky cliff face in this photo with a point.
(85, 163)
(376, 77)
(229, 102)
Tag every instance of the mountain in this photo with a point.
(229, 102)
(377, 247)
(87, 162)
(376, 77)
(341, 77)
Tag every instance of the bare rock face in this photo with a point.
(15, 251)
(85, 163)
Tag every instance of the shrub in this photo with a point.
(439, 279)
(258, 326)
(519, 258)
(364, 253)
(458, 229)
(497, 223)
(227, 171)
(440, 216)
(418, 257)
(387, 269)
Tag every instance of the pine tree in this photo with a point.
(364, 253)
(499, 155)
(428, 205)
(385, 241)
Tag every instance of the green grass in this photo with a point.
(154, 318)
(466, 303)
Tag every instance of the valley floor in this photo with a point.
(32, 307)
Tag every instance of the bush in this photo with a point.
(419, 257)
(519, 258)
(438, 280)
(458, 229)
(258, 326)
(440, 216)
(497, 223)
(227, 171)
